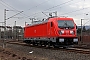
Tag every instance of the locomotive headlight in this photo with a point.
(71, 32)
(62, 31)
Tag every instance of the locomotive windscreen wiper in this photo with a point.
(65, 24)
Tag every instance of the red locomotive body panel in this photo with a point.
(54, 30)
(46, 30)
(39, 30)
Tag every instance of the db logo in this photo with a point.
(67, 32)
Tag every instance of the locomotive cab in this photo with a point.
(66, 32)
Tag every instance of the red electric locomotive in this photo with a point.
(55, 31)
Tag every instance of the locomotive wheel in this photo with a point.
(48, 45)
(33, 43)
(64, 47)
(55, 46)
(44, 45)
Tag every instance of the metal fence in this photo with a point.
(13, 33)
(85, 39)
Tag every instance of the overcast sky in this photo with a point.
(76, 9)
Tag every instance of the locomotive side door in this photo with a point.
(48, 29)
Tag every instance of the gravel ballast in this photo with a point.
(46, 54)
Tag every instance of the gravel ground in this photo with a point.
(46, 54)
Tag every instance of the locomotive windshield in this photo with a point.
(65, 24)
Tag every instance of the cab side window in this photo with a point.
(51, 24)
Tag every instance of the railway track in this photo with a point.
(76, 50)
